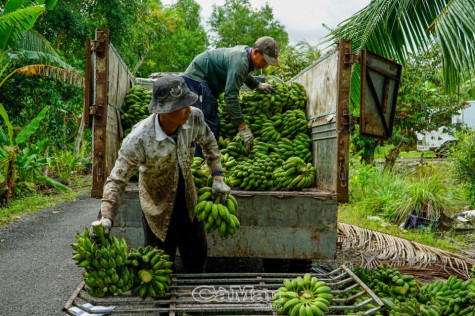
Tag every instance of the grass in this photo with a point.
(382, 151)
(21, 207)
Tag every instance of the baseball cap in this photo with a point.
(269, 47)
(170, 93)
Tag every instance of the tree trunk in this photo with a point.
(137, 66)
(10, 179)
(60, 38)
(79, 137)
(391, 157)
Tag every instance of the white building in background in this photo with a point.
(438, 139)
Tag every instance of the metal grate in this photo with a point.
(228, 293)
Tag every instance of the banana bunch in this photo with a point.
(412, 308)
(294, 98)
(305, 296)
(389, 282)
(200, 172)
(269, 132)
(236, 148)
(254, 174)
(298, 147)
(255, 123)
(223, 142)
(228, 161)
(456, 296)
(217, 216)
(226, 127)
(294, 122)
(135, 107)
(106, 272)
(151, 270)
(294, 174)
(255, 102)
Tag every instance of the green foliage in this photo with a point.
(64, 163)
(294, 59)
(463, 158)
(237, 23)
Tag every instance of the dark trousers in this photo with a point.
(189, 237)
(208, 104)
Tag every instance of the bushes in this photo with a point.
(393, 195)
(463, 159)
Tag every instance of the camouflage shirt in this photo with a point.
(149, 150)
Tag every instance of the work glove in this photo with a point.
(265, 87)
(106, 225)
(247, 137)
(220, 188)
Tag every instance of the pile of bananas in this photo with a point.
(285, 97)
(412, 308)
(294, 174)
(455, 296)
(305, 296)
(106, 272)
(135, 107)
(254, 174)
(216, 215)
(255, 123)
(151, 270)
(269, 132)
(294, 122)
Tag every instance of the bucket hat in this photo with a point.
(170, 93)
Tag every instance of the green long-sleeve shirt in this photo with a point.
(224, 70)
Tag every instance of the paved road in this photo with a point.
(31, 282)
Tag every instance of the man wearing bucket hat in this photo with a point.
(161, 148)
(226, 70)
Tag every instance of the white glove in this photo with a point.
(106, 225)
(247, 137)
(265, 87)
(220, 188)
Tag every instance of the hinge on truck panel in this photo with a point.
(351, 59)
(98, 46)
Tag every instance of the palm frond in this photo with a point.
(56, 73)
(396, 28)
(399, 251)
(14, 24)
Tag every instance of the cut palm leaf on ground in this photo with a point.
(380, 247)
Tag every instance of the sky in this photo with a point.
(302, 18)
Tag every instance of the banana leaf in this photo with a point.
(31, 128)
(53, 183)
(13, 23)
(4, 114)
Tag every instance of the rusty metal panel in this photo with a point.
(343, 119)
(379, 85)
(99, 111)
(88, 84)
(297, 225)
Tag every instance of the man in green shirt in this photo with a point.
(225, 70)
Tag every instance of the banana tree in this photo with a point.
(398, 28)
(19, 161)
